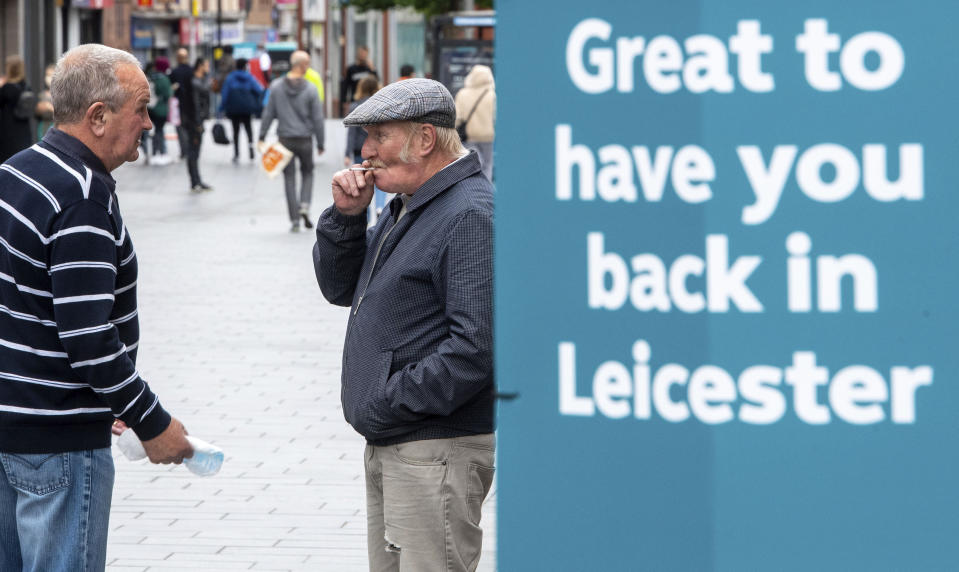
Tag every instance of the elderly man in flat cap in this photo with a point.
(417, 362)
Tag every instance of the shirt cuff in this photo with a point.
(153, 424)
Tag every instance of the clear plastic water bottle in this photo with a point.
(206, 460)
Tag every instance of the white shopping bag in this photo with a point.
(173, 111)
(275, 158)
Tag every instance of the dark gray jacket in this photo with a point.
(295, 104)
(418, 357)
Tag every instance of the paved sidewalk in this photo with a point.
(241, 346)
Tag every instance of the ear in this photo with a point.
(96, 119)
(427, 139)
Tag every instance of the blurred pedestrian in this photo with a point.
(406, 72)
(202, 89)
(265, 63)
(159, 108)
(418, 356)
(15, 114)
(191, 121)
(313, 77)
(361, 68)
(257, 73)
(181, 79)
(476, 109)
(64, 236)
(240, 99)
(224, 67)
(44, 110)
(356, 136)
(296, 107)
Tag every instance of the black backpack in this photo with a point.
(26, 105)
(219, 134)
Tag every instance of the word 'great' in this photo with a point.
(705, 65)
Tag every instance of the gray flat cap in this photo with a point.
(417, 99)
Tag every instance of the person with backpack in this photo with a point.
(159, 107)
(240, 98)
(17, 106)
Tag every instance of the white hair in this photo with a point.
(447, 142)
(85, 75)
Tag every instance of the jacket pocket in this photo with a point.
(37, 474)
(379, 416)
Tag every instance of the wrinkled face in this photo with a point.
(382, 148)
(125, 125)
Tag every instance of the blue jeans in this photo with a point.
(55, 510)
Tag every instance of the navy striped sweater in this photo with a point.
(68, 309)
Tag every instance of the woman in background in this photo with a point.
(15, 133)
(476, 107)
(44, 110)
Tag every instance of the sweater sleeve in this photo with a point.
(83, 266)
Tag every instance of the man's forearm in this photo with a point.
(338, 254)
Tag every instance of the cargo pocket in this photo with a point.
(480, 481)
(37, 474)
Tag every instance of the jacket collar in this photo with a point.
(70, 145)
(444, 179)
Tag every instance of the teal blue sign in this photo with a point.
(726, 285)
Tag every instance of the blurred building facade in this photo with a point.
(41, 30)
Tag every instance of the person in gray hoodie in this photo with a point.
(295, 104)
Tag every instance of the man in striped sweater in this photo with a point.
(68, 321)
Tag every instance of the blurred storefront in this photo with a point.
(160, 27)
(331, 31)
(394, 38)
